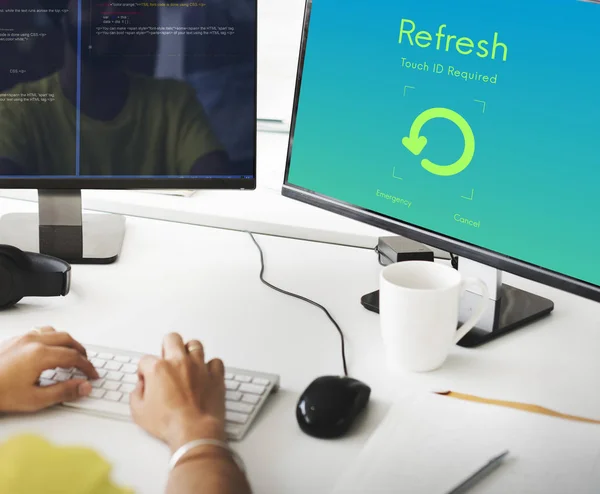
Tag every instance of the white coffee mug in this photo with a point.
(418, 307)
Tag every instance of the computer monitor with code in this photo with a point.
(469, 126)
(97, 94)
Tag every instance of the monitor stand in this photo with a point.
(509, 308)
(60, 229)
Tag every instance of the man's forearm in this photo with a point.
(208, 472)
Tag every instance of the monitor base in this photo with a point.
(61, 230)
(513, 310)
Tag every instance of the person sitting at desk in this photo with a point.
(179, 398)
(129, 124)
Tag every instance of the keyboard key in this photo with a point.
(79, 375)
(251, 399)
(233, 395)
(97, 393)
(238, 418)
(125, 398)
(90, 353)
(98, 363)
(127, 388)
(234, 406)
(233, 430)
(106, 356)
(103, 406)
(129, 369)
(122, 358)
(114, 376)
(229, 376)
(252, 388)
(260, 381)
(101, 372)
(135, 360)
(97, 383)
(111, 385)
(48, 374)
(243, 379)
(113, 395)
(46, 382)
(68, 370)
(112, 365)
(231, 385)
(62, 376)
(130, 378)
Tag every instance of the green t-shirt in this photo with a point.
(161, 130)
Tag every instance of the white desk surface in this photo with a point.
(203, 282)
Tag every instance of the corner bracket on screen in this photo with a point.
(60, 229)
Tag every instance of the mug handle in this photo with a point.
(474, 319)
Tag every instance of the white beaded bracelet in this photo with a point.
(187, 447)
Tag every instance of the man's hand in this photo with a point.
(24, 358)
(180, 398)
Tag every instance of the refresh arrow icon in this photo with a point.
(415, 143)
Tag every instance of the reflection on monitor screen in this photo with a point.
(99, 88)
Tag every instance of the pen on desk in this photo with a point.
(479, 474)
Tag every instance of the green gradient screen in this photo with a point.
(480, 121)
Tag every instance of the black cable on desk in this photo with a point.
(454, 259)
(300, 297)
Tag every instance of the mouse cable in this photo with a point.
(300, 297)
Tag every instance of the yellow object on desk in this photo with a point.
(29, 464)
(518, 406)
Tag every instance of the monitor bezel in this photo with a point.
(158, 182)
(419, 234)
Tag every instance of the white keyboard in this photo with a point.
(246, 391)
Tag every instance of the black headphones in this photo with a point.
(26, 274)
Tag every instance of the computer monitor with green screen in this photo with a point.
(469, 126)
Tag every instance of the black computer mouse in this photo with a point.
(329, 405)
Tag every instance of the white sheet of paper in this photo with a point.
(428, 444)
